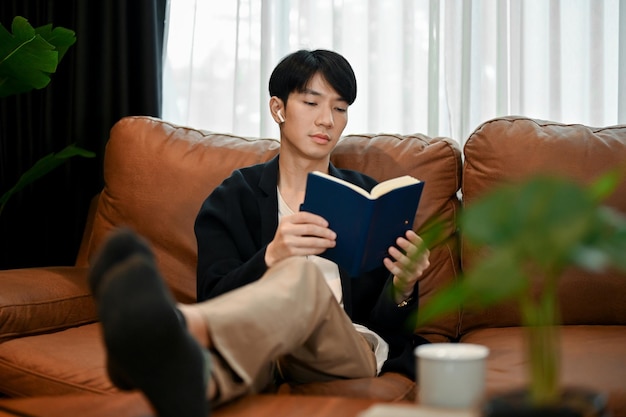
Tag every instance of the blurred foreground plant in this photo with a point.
(528, 233)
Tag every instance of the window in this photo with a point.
(439, 67)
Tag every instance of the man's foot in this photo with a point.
(148, 346)
(120, 245)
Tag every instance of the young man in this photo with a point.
(269, 306)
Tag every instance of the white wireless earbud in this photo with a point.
(279, 114)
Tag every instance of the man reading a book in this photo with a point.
(269, 308)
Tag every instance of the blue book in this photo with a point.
(366, 223)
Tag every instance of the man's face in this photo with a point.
(314, 118)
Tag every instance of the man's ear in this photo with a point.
(277, 109)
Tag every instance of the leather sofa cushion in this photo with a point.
(511, 148)
(64, 362)
(37, 300)
(389, 386)
(157, 175)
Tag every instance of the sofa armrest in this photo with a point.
(38, 300)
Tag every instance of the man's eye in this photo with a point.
(310, 103)
(341, 109)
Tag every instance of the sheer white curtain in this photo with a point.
(439, 67)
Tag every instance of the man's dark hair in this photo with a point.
(295, 70)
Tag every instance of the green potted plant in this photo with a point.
(525, 235)
(28, 57)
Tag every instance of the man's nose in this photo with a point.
(325, 118)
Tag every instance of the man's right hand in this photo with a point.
(299, 234)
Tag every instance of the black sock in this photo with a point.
(147, 345)
(119, 246)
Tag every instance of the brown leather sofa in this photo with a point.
(157, 174)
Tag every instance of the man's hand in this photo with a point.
(299, 234)
(407, 262)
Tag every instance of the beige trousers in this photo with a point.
(289, 318)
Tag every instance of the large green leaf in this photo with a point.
(42, 167)
(28, 56)
(498, 278)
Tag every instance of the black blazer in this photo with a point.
(237, 222)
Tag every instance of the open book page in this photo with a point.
(392, 184)
(378, 190)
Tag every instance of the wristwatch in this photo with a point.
(405, 302)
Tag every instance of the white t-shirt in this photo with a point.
(330, 270)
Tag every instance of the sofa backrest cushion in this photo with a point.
(512, 148)
(437, 162)
(157, 175)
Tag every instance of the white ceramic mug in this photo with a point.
(451, 375)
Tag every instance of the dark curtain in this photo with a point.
(113, 70)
